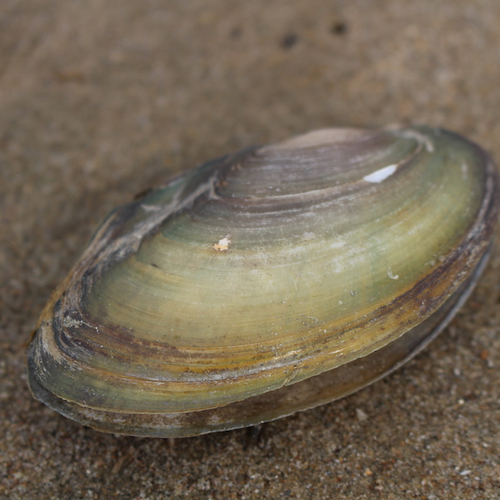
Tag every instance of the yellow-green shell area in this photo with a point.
(264, 268)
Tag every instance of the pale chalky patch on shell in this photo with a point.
(222, 245)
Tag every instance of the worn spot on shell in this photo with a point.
(223, 244)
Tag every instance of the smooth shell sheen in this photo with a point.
(267, 282)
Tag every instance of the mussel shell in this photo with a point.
(267, 282)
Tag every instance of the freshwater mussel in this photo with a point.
(267, 281)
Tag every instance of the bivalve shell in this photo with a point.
(267, 281)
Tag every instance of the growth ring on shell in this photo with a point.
(266, 282)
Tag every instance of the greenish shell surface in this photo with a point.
(260, 274)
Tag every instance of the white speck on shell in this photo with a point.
(223, 244)
(392, 276)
